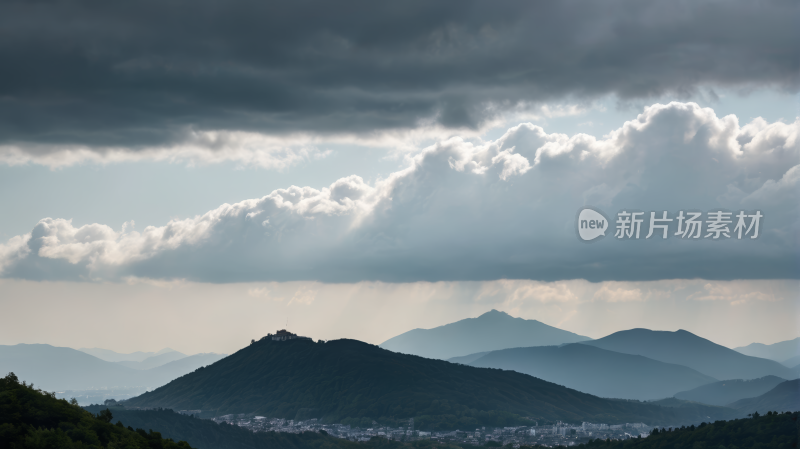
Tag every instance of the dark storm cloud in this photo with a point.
(135, 74)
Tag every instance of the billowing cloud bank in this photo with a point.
(108, 82)
(503, 209)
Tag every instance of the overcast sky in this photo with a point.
(363, 168)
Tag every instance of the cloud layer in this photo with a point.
(463, 211)
(240, 147)
(145, 76)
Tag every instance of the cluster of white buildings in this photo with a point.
(546, 435)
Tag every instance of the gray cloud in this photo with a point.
(463, 211)
(149, 73)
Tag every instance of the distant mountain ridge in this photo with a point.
(489, 332)
(685, 348)
(785, 352)
(467, 359)
(154, 361)
(341, 380)
(785, 397)
(597, 371)
(726, 392)
(55, 368)
(792, 362)
(113, 356)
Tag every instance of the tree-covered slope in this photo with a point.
(344, 379)
(784, 397)
(31, 418)
(770, 431)
(597, 371)
(725, 392)
(491, 331)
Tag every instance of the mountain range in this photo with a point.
(634, 364)
(491, 331)
(57, 368)
(786, 352)
(508, 370)
(113, 356)
(684, 348)
(785, 397)
(597, 371)
(154, 361)
(343, 380)
(725, 392)
(793, 363)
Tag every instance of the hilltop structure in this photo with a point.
(283, 335)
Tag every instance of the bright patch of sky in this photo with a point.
(152, 193)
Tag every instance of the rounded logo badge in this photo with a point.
(591, 224)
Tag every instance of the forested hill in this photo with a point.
(770, 431)
(348, 379)
(784, 397)
(31, 418)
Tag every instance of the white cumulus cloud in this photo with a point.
(466, 210)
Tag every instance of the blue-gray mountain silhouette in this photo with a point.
(785, 397)
(347, 380)
(154, 361)
(725, 392)
(785, 352)
(489, 332)
(685, 348)
(597, 371)
(113, 356)
(55, 368)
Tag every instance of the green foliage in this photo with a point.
(35, 419)
(352, 382)
(771, 431)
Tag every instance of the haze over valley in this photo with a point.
(637, 364)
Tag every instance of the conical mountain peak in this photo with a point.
(488, 332)
(495, 313)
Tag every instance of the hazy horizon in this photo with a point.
(332, 311)
(364, 172)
